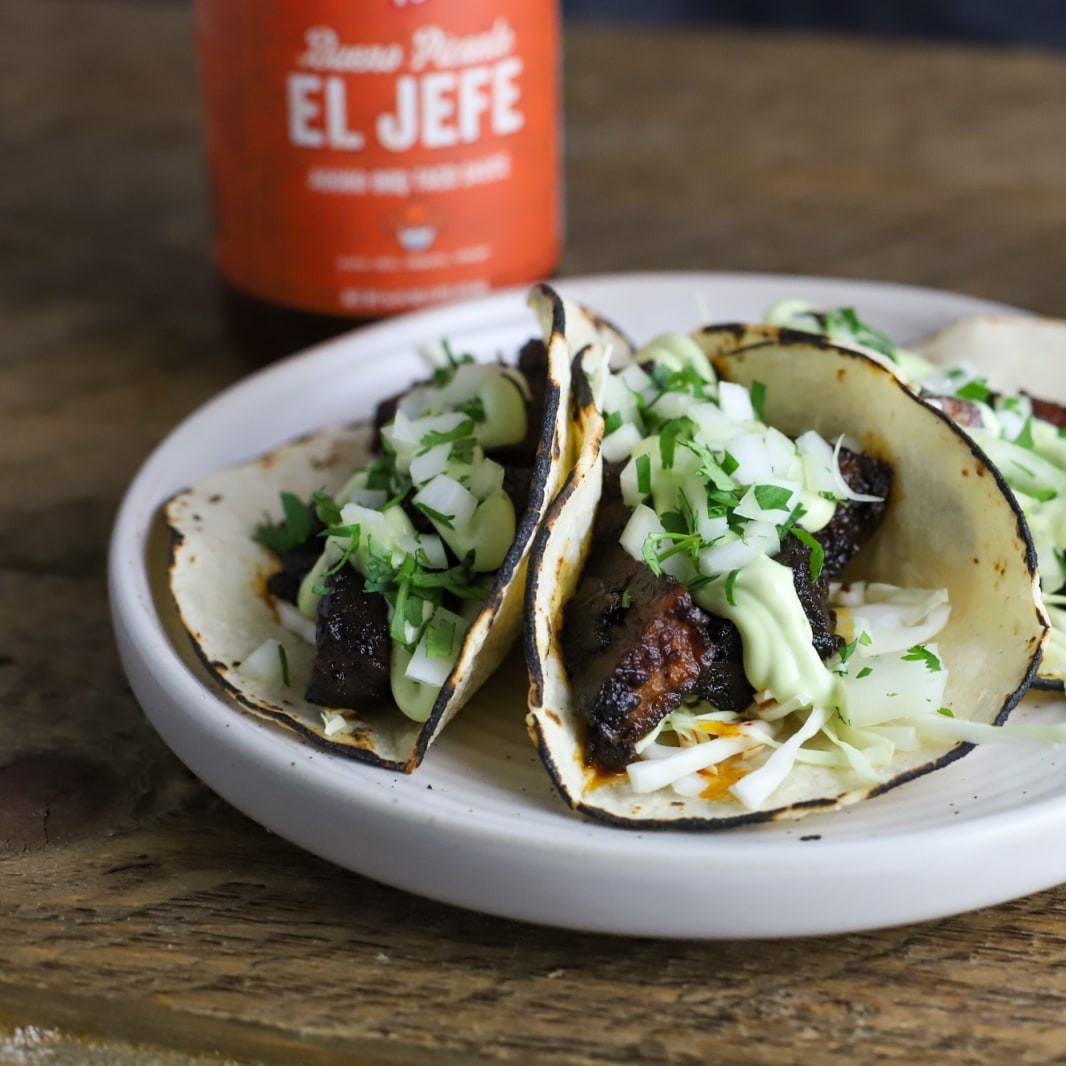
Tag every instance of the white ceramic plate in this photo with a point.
(479, 824)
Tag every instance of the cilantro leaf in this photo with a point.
(921, 654)
(292, 531)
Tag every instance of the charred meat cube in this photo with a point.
(354, 648)
(813, 595)
(854, 522)
(636, 652)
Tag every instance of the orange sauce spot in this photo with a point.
(596, 778)
(720, 729)
(720, 777)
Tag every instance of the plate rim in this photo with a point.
(174, 698)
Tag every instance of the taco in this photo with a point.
(386, 585)
(1000, 378)
(775, 581)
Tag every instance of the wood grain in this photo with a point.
(141, 919)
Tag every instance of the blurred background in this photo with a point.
(1032, 22)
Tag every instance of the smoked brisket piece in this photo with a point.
(354, 649)
(1048, 411)
(854, 523)
(813, 595)
(635, 646)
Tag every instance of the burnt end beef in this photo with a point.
(1048, 411)
(963, 412)
(854, 523)
(813, 595)
(296, 562)
(636, 651)
(354, 649)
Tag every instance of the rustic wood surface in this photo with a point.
(142, 920)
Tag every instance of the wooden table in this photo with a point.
(142, 919)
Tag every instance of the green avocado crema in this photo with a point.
(434, 453)
(1028, 451)
(779, 656)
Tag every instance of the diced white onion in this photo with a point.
(749, 506)
(264, 663)
(446, 496)
(642, 523)
(433, 462)
(290, 617)
(334, 723)
(735, 401)
(434, 669)
(619, 444)
(706, 414)
(782, 453)
(672, 405)
(485, 478)
(730, 553)
(752, 457)
(433, 546)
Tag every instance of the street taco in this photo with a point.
(1001, 379)
(774, 582)
(368, 605)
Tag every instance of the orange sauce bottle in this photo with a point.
(370, 157)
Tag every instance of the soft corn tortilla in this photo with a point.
(218, 574)
(951, 522)
(1016, 354)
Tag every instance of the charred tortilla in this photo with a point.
(949, 522)
(218, 575)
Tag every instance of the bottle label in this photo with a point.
(371, 157)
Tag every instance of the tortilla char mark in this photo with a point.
(636, 646)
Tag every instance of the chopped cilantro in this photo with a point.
(921, 654)
(291, 531)
(644, 474)
(1025, 437)
(758, 400)
(611, 421)
(976, 391)
(329, 513)
(730, 587)
(946, 712)
(627, 600)
(446, 520)
(817, 560)
(772, 497)
(435, 437)
(674, 522)
(866, 671)
(474, 409)
(440, 638)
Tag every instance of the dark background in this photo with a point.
(1030, 22)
